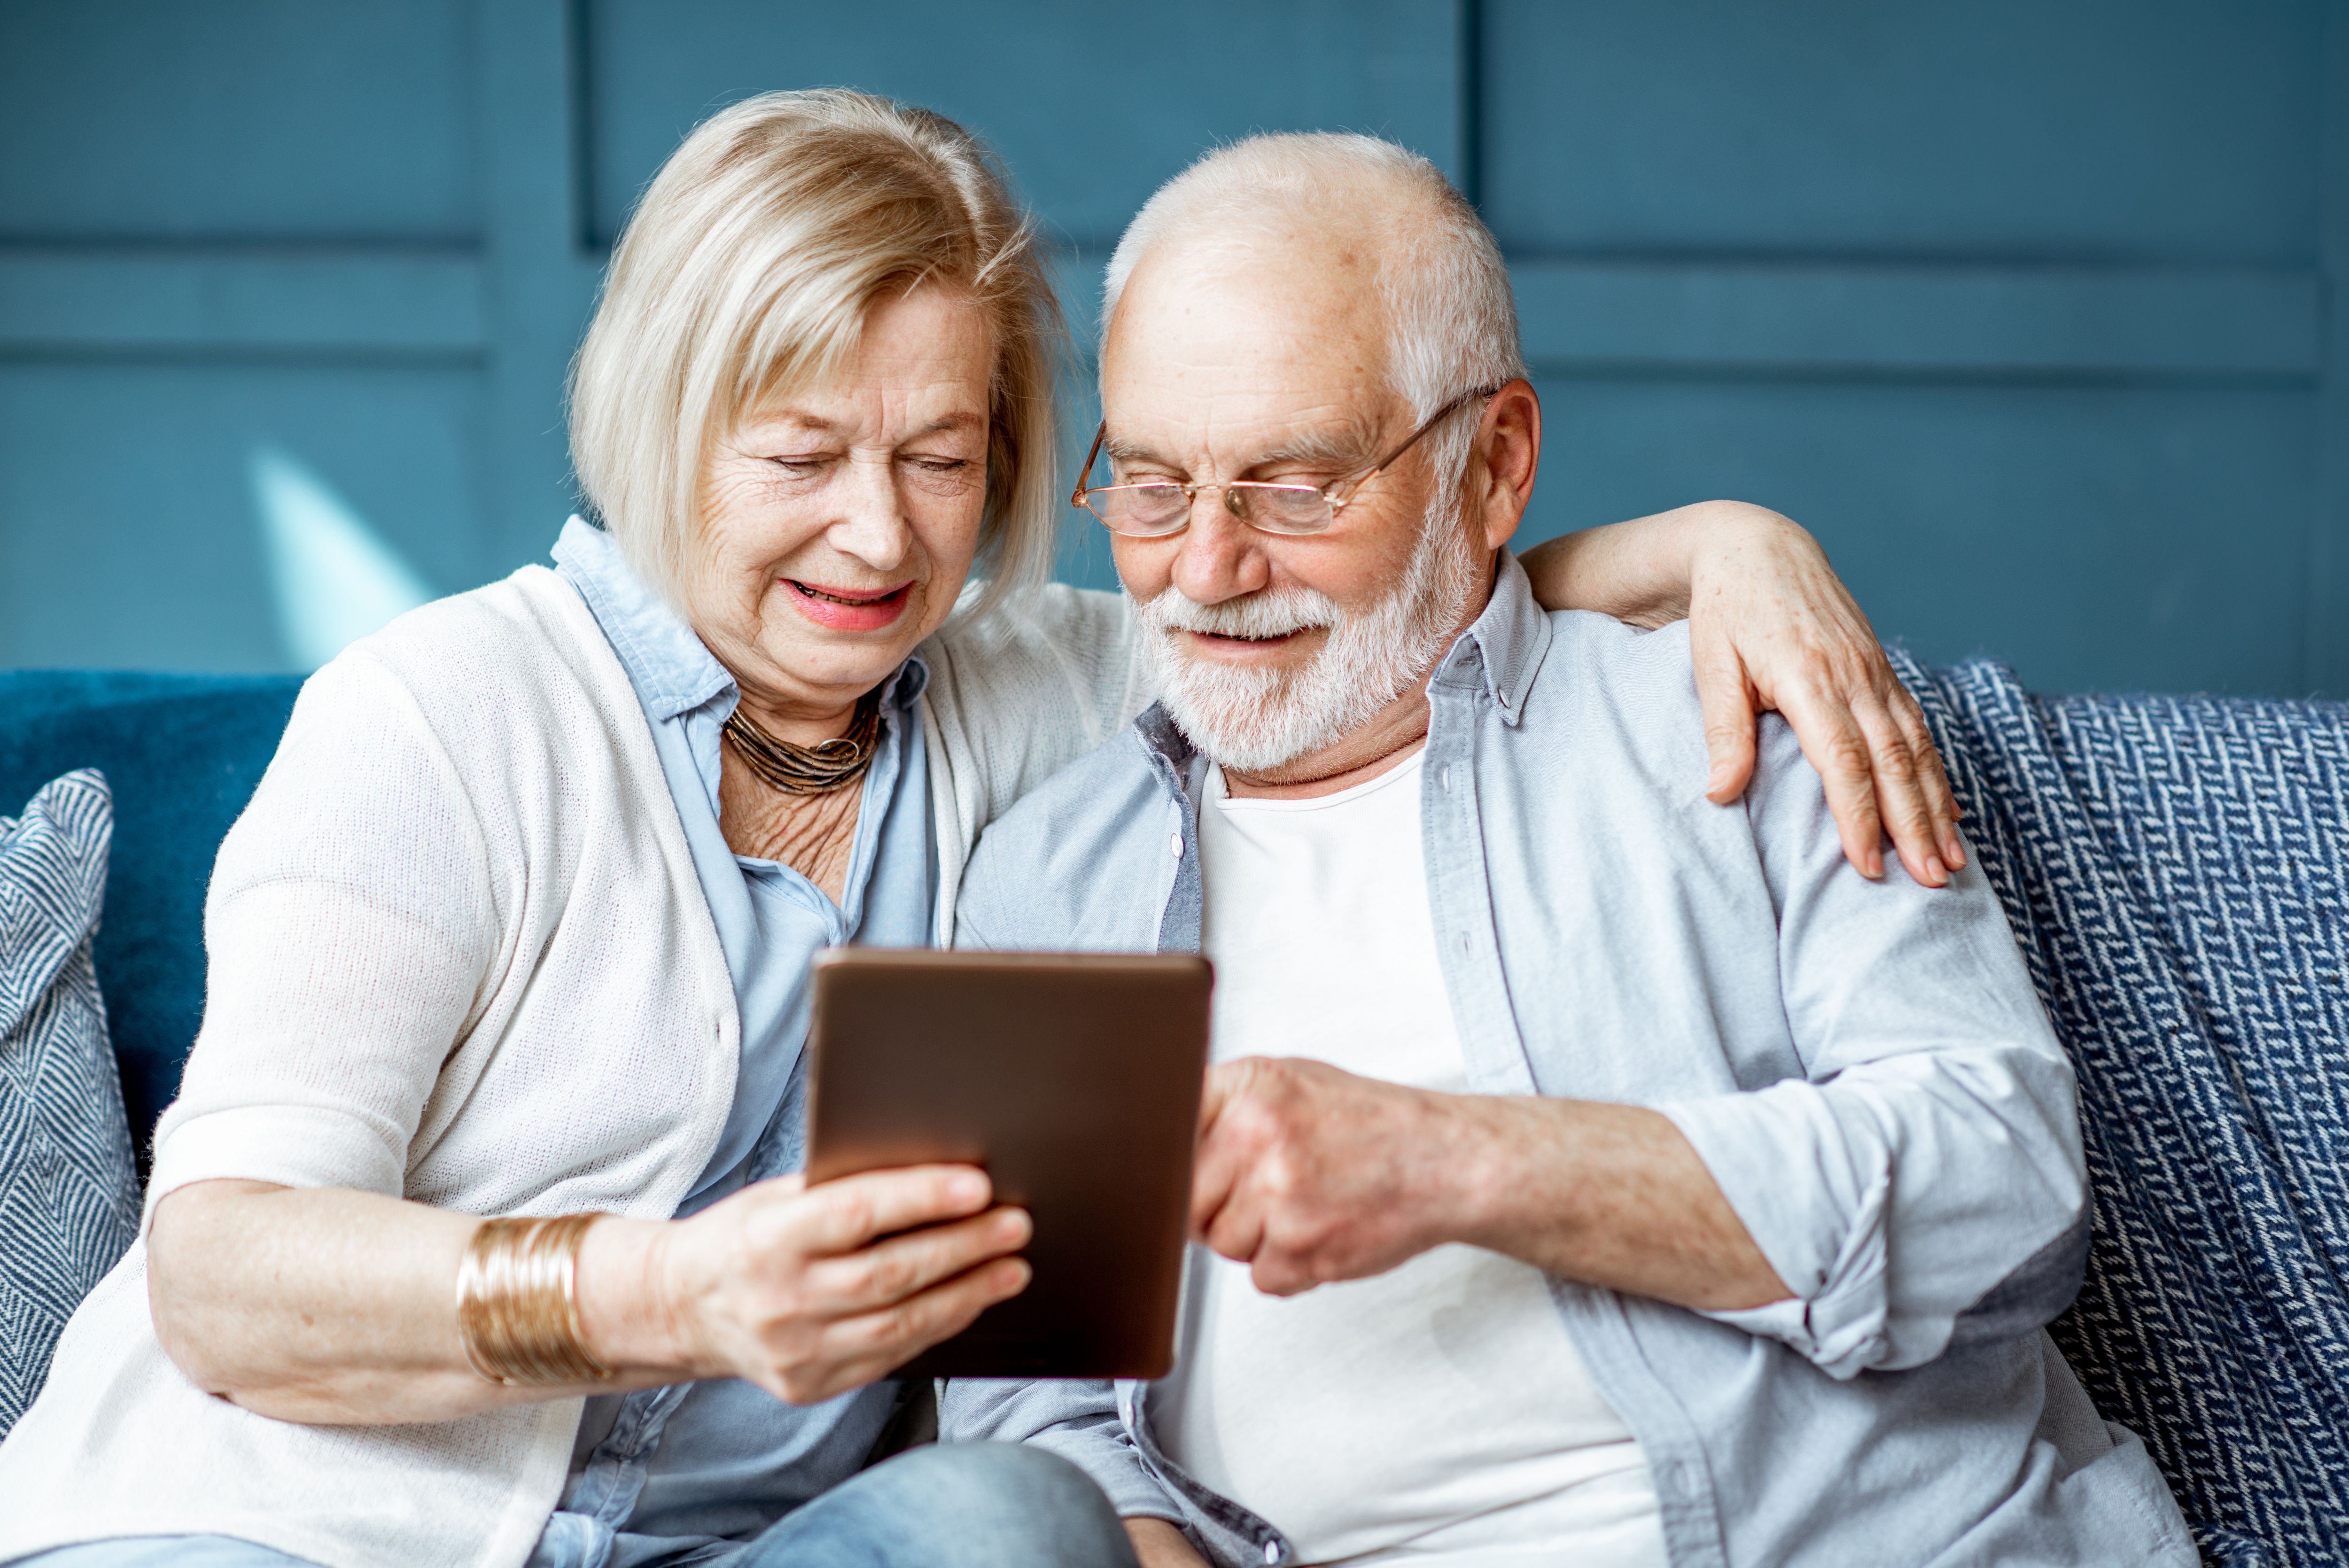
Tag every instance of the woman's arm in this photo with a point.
(333, 1307)
(1770, 627)
(354, 930)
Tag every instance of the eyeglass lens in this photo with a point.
(1154, 509)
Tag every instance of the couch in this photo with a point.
(2177, 873)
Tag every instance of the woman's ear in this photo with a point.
(1506, 453)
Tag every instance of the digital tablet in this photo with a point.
(1074, 1080)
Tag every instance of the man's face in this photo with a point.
(1267, 359)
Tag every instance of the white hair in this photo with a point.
(745, 275)
(1452, 319)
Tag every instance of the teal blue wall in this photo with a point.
(2027, 308)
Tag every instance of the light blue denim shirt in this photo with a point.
(1863, 1067)
(658, 1473)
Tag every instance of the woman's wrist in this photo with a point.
(518, 1301)
(631, 1317)
(1718, 538)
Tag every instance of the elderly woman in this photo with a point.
(519, 924)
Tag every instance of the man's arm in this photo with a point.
(1772, 626)
(1920, 1185)
(1312, 1175)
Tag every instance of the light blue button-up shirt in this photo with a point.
(1863, 1067)
(659, 1472)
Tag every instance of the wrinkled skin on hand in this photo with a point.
(1772, 626)
(810, 1293)
(1313, 1174)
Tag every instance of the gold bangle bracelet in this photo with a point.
(518, 1303)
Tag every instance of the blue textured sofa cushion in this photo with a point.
(68, 1196)
(2177, 871)
(182, 754)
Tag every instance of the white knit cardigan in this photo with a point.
(458, 954)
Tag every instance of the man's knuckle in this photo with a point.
(1258, 1126)
(1280, 1179)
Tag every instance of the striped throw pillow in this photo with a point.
(68, 1193)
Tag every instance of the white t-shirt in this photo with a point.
(1437, 1414)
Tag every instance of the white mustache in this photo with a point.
(1273, 612)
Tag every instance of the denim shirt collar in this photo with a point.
(673, 672)
(1503, 649)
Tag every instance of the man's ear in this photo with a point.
(1507, 452)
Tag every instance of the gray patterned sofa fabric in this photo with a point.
(2177, 871)
(68, 1199)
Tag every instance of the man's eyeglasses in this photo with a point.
(1160, 507)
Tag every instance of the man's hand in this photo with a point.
(1158, 1544)
(1310, 1174)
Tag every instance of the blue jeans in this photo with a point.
(956, 1505)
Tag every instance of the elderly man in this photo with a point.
(1599, 1176)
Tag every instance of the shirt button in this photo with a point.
(1673, 1480)
(1175, 844)
(1272, 1551)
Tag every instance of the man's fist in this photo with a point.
(1310, 1174)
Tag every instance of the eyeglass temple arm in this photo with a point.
(1367, 475)
(1077, 496)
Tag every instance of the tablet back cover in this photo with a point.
(1074, 1079)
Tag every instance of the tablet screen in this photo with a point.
(1074, 1079)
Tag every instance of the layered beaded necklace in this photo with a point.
(816, 769)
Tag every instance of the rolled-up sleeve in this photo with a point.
(1921, 1184)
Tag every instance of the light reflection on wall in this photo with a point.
(332, 580)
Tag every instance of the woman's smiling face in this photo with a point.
(836, 528)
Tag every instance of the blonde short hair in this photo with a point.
(745, 275)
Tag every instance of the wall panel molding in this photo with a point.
(1907, 321)
(2106, 344)
(540, 278)
(1864, 320)
(370, 304)
(2327, 635)
(1607, 317)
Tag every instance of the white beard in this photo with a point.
(1258, 719)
